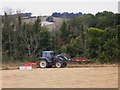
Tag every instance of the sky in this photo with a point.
(47, 7)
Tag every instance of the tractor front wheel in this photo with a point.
(58, 64)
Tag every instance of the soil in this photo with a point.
(77, 77)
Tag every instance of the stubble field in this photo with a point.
(87, 77)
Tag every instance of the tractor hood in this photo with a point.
(64, 55)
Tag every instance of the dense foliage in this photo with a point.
(23, 40)
(90, 36)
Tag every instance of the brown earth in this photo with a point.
(85, 77)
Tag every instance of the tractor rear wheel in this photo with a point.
(43, 64)
(65, 64)
(58, 64)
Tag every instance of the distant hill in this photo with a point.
(46, 21)
(52, 22)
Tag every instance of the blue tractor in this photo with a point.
(49, 59)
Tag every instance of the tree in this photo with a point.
(34, 38)
(73, 48)
(30, 37)
(94, 41)
(105, 19)
(64, 31)
(7, 34)
(111, 50)
(50, 19)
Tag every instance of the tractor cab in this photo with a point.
(48, 54)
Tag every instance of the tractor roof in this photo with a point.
(47, 51)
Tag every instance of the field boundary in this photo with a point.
(69, 66)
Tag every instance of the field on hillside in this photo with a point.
(84, 77)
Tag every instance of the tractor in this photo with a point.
(49, 59)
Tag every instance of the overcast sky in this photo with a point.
(47, 7)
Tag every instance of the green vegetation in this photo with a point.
(90, 36)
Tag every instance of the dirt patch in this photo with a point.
(87, 77)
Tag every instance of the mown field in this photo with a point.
(79, 77)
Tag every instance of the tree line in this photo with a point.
(88, 35)
(66, 15)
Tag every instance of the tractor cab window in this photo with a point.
(52, 54)
(44, 54)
